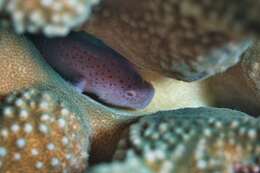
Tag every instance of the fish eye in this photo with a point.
(130, 93)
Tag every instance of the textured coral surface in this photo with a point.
(189, 140)
(40, 134)
(188, 40)
(51, 17)
(113, 96)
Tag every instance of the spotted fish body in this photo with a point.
(96, 69)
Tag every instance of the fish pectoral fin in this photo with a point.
(80, 85)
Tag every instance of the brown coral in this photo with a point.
(40, 134)
(188, 39)
(239, 87)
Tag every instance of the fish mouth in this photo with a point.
(147, 97)
(131, 106)
(147, 93)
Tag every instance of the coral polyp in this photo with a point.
(52, 17)
(199, 140)
(39, 133)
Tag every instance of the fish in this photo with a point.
(95, 69)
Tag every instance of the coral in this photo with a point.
(131, 165)
(18, 68)
(40, 134)
(52, 17)
(188, 40)
(194, 140)
(96, 69)
(239, 87)
(251, 66)
(189, 47)
(2, 3)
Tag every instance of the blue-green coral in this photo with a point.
(132, 164)
(202, 140)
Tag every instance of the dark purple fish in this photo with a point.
(96, 69)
